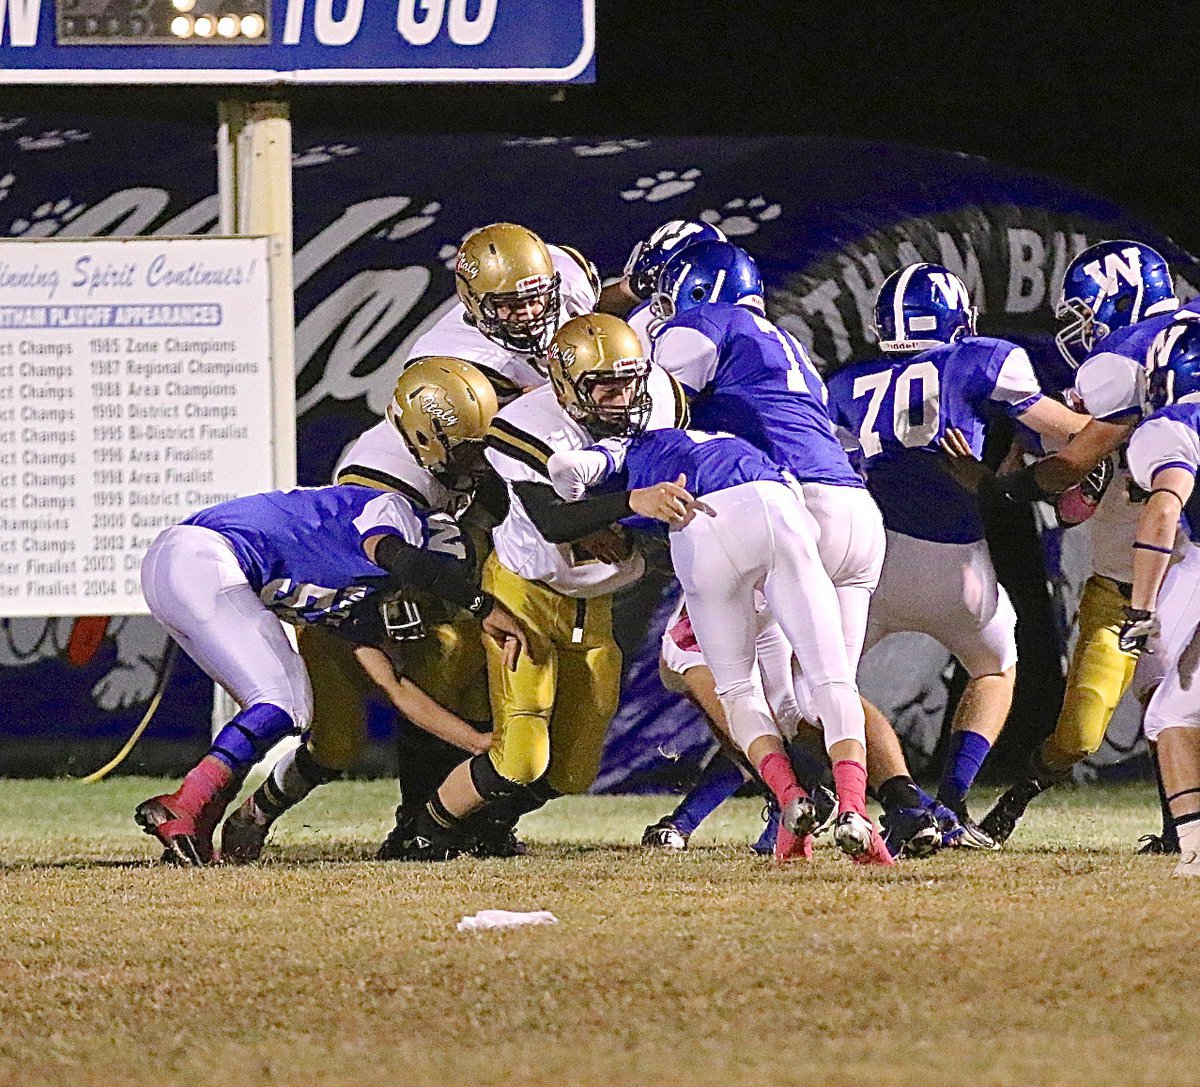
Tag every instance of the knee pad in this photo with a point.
(488, 781)
(840, 711)
(251, 734)
(748, 714)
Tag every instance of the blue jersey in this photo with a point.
(897, 408)
(710, 462)
(1170, 438)
(1133, 341)
(302, 550)
(754, 380)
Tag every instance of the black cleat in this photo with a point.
(1157, 845)
(496, 840)
(911, 832)
(1002, 820)
(408, 842)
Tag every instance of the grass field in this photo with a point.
(1067, 959)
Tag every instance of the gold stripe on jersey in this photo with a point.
(516, 443)
(589, 269)
(381, 481)
(683, 414)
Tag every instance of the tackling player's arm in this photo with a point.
(416, 705)
(1170, 489)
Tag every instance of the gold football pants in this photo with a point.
(550, 715)
(1099, 675)
(447, 664)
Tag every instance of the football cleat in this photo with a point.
(975, 837)
(1006, 813)
(1188, 866)
(244, 834)
(911, 832)
(1157, 845)
(797, 821)
(408, 842)
(187, 836)
(493, 839)
(857, 837)
(826, 804)
(665, 835)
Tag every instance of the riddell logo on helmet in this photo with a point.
(467, 266)
(534, 284)
(434, 410)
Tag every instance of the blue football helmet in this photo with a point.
(1174, 362)
(649, 255)
(922, 306)
(708, 272)
(1106, 287)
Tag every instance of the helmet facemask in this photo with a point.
(614, 403)
(523, 320)
(1077, 338)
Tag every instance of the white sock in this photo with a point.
(1189, 836)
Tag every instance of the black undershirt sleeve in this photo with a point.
(416, 568)
(564, 522)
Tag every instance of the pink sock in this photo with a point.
(203, 782)
(776, 770)
(850, 783)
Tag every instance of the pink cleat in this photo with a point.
(858, 837)
(797, 819)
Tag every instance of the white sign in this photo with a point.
(135, 389)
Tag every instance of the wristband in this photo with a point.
(1139, 546)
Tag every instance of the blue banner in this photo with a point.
(378, 219)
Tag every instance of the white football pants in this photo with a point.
(196, 589)
(762, 537)
(1175, 662)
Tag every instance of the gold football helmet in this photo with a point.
(442, 408)
(507, 281)
(601, 374)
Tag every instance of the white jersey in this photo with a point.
(1111, 388)
(379, 458)
(523, 437)
(453, 335)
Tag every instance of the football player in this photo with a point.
(222, 579)
(741, 527)
(556, 565)
(1116, 297)
(936, 373)
(438, 415)
(750, 378)
(1164, 457)
(513, 292)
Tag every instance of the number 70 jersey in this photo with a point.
(897, 407)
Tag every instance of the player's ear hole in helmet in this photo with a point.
(600, 375)
(506, 279)
(442, 408)
(1174, 362)
(708, 272)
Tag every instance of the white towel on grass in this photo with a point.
(486, 919)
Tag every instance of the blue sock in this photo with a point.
(963, 760)
(250, 735)
(720, 779)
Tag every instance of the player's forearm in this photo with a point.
(1152, 552)
(416, 705)
(416, 568)
(566, 522)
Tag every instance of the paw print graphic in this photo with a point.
(536, 141)
(6, 183)
(662, 186)
(46, 219)
(414, 224)
(52, 139)
(320, 153)
(7, 124)
(608, 147)
(740, 217)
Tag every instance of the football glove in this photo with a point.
(1139, 627)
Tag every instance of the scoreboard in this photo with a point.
(296, 41)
